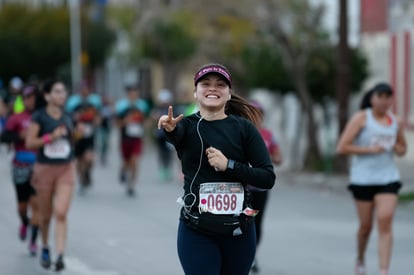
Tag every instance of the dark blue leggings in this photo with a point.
(206, 255)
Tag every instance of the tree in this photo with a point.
(342, 78)
(169, 43)
(37, 41)
(295, 26)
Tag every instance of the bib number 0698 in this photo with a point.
(221, 198)
(222, 202)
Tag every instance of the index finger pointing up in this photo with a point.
(170, 112)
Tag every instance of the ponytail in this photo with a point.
(239, 106)
(366, 100)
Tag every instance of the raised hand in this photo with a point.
(168, 122)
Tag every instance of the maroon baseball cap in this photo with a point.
(213, 69)
(28, 90)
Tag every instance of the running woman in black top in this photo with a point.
(221, 154)
(54, 172)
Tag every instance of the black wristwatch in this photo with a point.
(230, 164)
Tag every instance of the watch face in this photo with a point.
(230, 164)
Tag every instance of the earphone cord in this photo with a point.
(187, 207)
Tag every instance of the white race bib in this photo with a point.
(134, 130)
(59, 149)
(385, 141)
(221, 197)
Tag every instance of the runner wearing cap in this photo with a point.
(221, 152)
(22, 165)
(130, 116)
(50, 132)
(373, 136)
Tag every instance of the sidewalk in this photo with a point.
(339, 183)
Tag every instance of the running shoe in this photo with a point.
(23, 232)
(33, 249)
(123, 176)
(45, 258)
(360, 269)
(130, 192)
(255, 267)
(88, 178)
(59, 265)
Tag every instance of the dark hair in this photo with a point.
(48, 85)
(366, 100)
(378, 88)
(239, 106)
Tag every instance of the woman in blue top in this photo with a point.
(373, 136)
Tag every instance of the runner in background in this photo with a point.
(85, 110)
(13, 98)
(260, 197)
(50, 132)
(105, 129)
(373, 137)
(22, 165)
(165, 149)
(130, 113)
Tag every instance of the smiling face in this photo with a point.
(212, 92)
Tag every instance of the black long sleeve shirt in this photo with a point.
(237, 138)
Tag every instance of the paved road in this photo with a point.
(309, 229)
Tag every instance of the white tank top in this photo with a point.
(375, 169)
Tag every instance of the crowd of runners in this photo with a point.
(227, 159)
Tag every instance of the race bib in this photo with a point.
(59, 149)
(134, 130)
(385, 141)
(87, 130)
(221, 197)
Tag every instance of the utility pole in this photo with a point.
(75, 43)
(342, 77)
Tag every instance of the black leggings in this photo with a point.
(206, 255)
(259, 203)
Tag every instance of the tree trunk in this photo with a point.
(342, 81)
(170, 75)
(313, 155)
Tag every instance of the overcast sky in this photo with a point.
(332, 13)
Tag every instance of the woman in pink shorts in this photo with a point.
(54, 172)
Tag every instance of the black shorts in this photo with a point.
(83, 145)
(24, 191)
(368, 192)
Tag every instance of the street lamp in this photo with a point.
(75, 42)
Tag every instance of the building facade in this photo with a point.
(387, 32)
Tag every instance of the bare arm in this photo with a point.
(345, 145)
(33, 141)
(276, 156)
(400, 147)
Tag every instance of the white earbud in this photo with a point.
(195, 95)
(229, 97)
